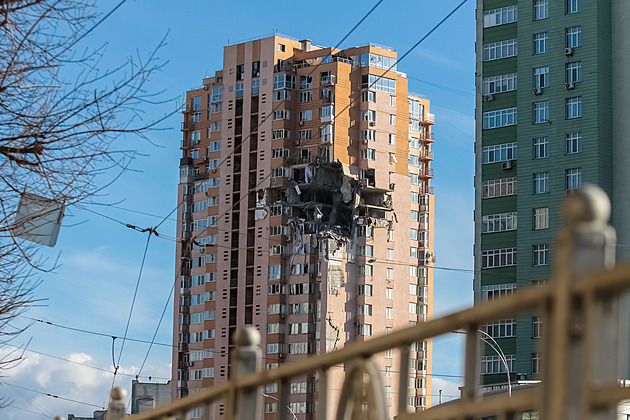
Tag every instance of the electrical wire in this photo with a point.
(28, 411)
(137, 340)
(86, 365)
(53, 395)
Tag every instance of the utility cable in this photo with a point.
(85, 364)
(133, 302)
(53, 395)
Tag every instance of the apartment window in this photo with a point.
(499, 84)
(194, 153)
(415, 197)
(196, 103)
(541, 77)
(389, 293)
(392, 138)
(278, 153)
(388, 371)
(306, 96)
(379, 83)
(574, 107)
(390, 274)
(283, 81)
(389, 313)
(392, 100)
(499, 118)
(541, 182)
(574, 72)
(281, 95)
(280, 134)
(365, 309)
(368, 154)
(574, 6)
(541, 112)
(195, 136)
(535, 363)
(364, 329)
(281, 47)
(540, 43)
(368, 115)
(498, 187)
(495, 258)
(196, 117)
(541, 9)
(540, 255)
(369, 96)
(392, 119)
(366, 270)
(494, 364)
(574, 37)
(306, 82)
(501, 222)
(306, 115)
(217, 94)
(499, 153)
(501, 49)
(500, 16)
(255, 86)
(541, 218)
(365, 289)
(574, 143)
(413, 234)
(240, 89)
(574, 178)
(325, 93)
(326, 111)
(304, 135)
(281, 114)
(368, 135)
(536, 327)
(540, 147)
(501, 329)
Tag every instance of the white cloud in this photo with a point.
(64, 379)
(450, 390)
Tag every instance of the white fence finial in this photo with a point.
(117, 408)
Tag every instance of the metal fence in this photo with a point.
(580, 306)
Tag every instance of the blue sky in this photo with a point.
(100, 259)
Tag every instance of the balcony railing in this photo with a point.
(581, 308)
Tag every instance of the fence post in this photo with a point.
(117, 409)
(247, 359)
(581, 340)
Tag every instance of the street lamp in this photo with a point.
(497, 349)
(287, 406)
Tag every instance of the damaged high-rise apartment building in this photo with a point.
(307, 212)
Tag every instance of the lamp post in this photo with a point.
(498, 351)
(287, 406)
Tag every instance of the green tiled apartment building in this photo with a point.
(545, 125)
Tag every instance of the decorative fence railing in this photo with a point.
(580, 306)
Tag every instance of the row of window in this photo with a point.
(494, 364)
(506, 257)
(509, 47)
(507, 82)
(507, 117)
(507, 151)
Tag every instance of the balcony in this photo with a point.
(428, 119)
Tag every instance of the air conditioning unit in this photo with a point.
(204, 158)
(508, 164)
(283, 315)
(206, 87)
(372, 124)
(301, 123)
(488, 98)
(568, 52)
(365, 141)
(282, 355)
(202, 250)
(297, 142)
(570, 85)
(191, 364)
(538, 91)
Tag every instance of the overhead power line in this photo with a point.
(52, 395)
